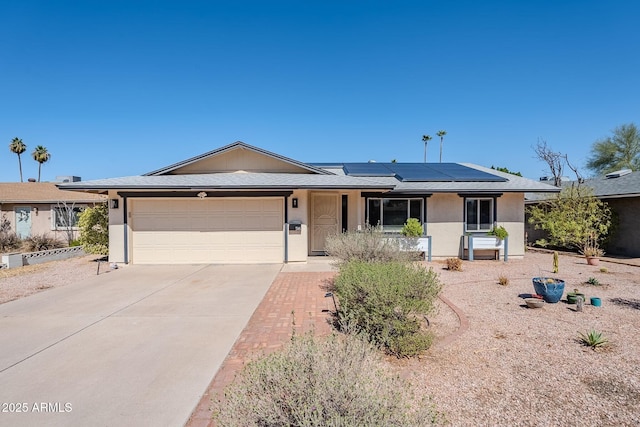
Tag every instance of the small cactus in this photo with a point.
(555, 261)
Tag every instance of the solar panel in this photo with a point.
(367, 169)
(422, 172)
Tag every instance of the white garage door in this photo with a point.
(221, 230)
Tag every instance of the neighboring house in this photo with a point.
(33, 208)
(621, 190)
(243, 204)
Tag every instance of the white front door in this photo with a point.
(23, 221)
(325, 210)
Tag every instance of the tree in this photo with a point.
(40, 155)
(66, 218)
(426, 139)
(18, 147)
(555, 160)
(441, 134)
(619, 151)
(573, 219)
(94, 229)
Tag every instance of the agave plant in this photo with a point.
(593, 338)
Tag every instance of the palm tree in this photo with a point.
(426, 139)
(441, 134)
(40, 155)
(18, 147)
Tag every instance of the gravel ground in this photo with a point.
(517, 366)
(24, 281)
(514, 366)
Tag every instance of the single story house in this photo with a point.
(243, 204)
(621, 191)
(32, 208)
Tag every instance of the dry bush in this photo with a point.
(41, 242)
(331, 381)
(369, 245)
(503, 280)
(9, 241)
(454, 264)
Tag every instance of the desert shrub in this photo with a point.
(503, 280)
(9, 241)
(331, 381)
(41, 242)
(94, 229)
(387, 302)
(369, 245)
(412, 228)
(454, 264)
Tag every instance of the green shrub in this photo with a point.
(332, 381)
(387, 302)
(412, 228)
(94, 229)
(369, 245)
(9, 241)
(41, 242)
(454, 264)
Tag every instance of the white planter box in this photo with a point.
(422, 245)
(485, 242)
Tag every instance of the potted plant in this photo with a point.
(572, 297)
(592, 252)
(500, 232)
(414, 236)
(550, 288)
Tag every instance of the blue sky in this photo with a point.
(117, 88)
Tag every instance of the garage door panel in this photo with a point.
(208, 231)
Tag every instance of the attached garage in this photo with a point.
(214, 230)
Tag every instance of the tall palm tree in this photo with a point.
(18, 147)
(40, 155)
(441, 134)
(426, 139)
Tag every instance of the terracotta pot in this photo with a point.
(593, 260)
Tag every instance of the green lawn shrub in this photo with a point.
(388, 302)
(331, 381)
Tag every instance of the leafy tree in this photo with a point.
(505, 170)
(441, 134)
(94, 229)
(40, 155)
(574, 219)
(18, 147)
(426, 139)
(619, 151)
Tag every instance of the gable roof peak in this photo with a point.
(235, 146)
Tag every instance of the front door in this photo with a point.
(325, 210)
(23, 221)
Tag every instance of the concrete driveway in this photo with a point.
(133, 347)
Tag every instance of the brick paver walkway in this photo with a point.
(270, 326)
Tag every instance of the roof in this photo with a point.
(234, 146)
(230, 181)
(605, 188)
(423, 178)
(42, 192)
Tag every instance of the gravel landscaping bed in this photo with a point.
(517, 366)
(24, 281)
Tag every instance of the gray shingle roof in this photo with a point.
(230, 181)
(624, 186)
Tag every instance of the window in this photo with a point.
(479, 214)
(64, 217)
(391, 214)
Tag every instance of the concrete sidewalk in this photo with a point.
(135, 347)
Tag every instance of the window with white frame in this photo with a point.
(479, 214)
(391, 214)
(65, 216)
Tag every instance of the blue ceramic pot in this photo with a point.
(550, 289)
(596, 302)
